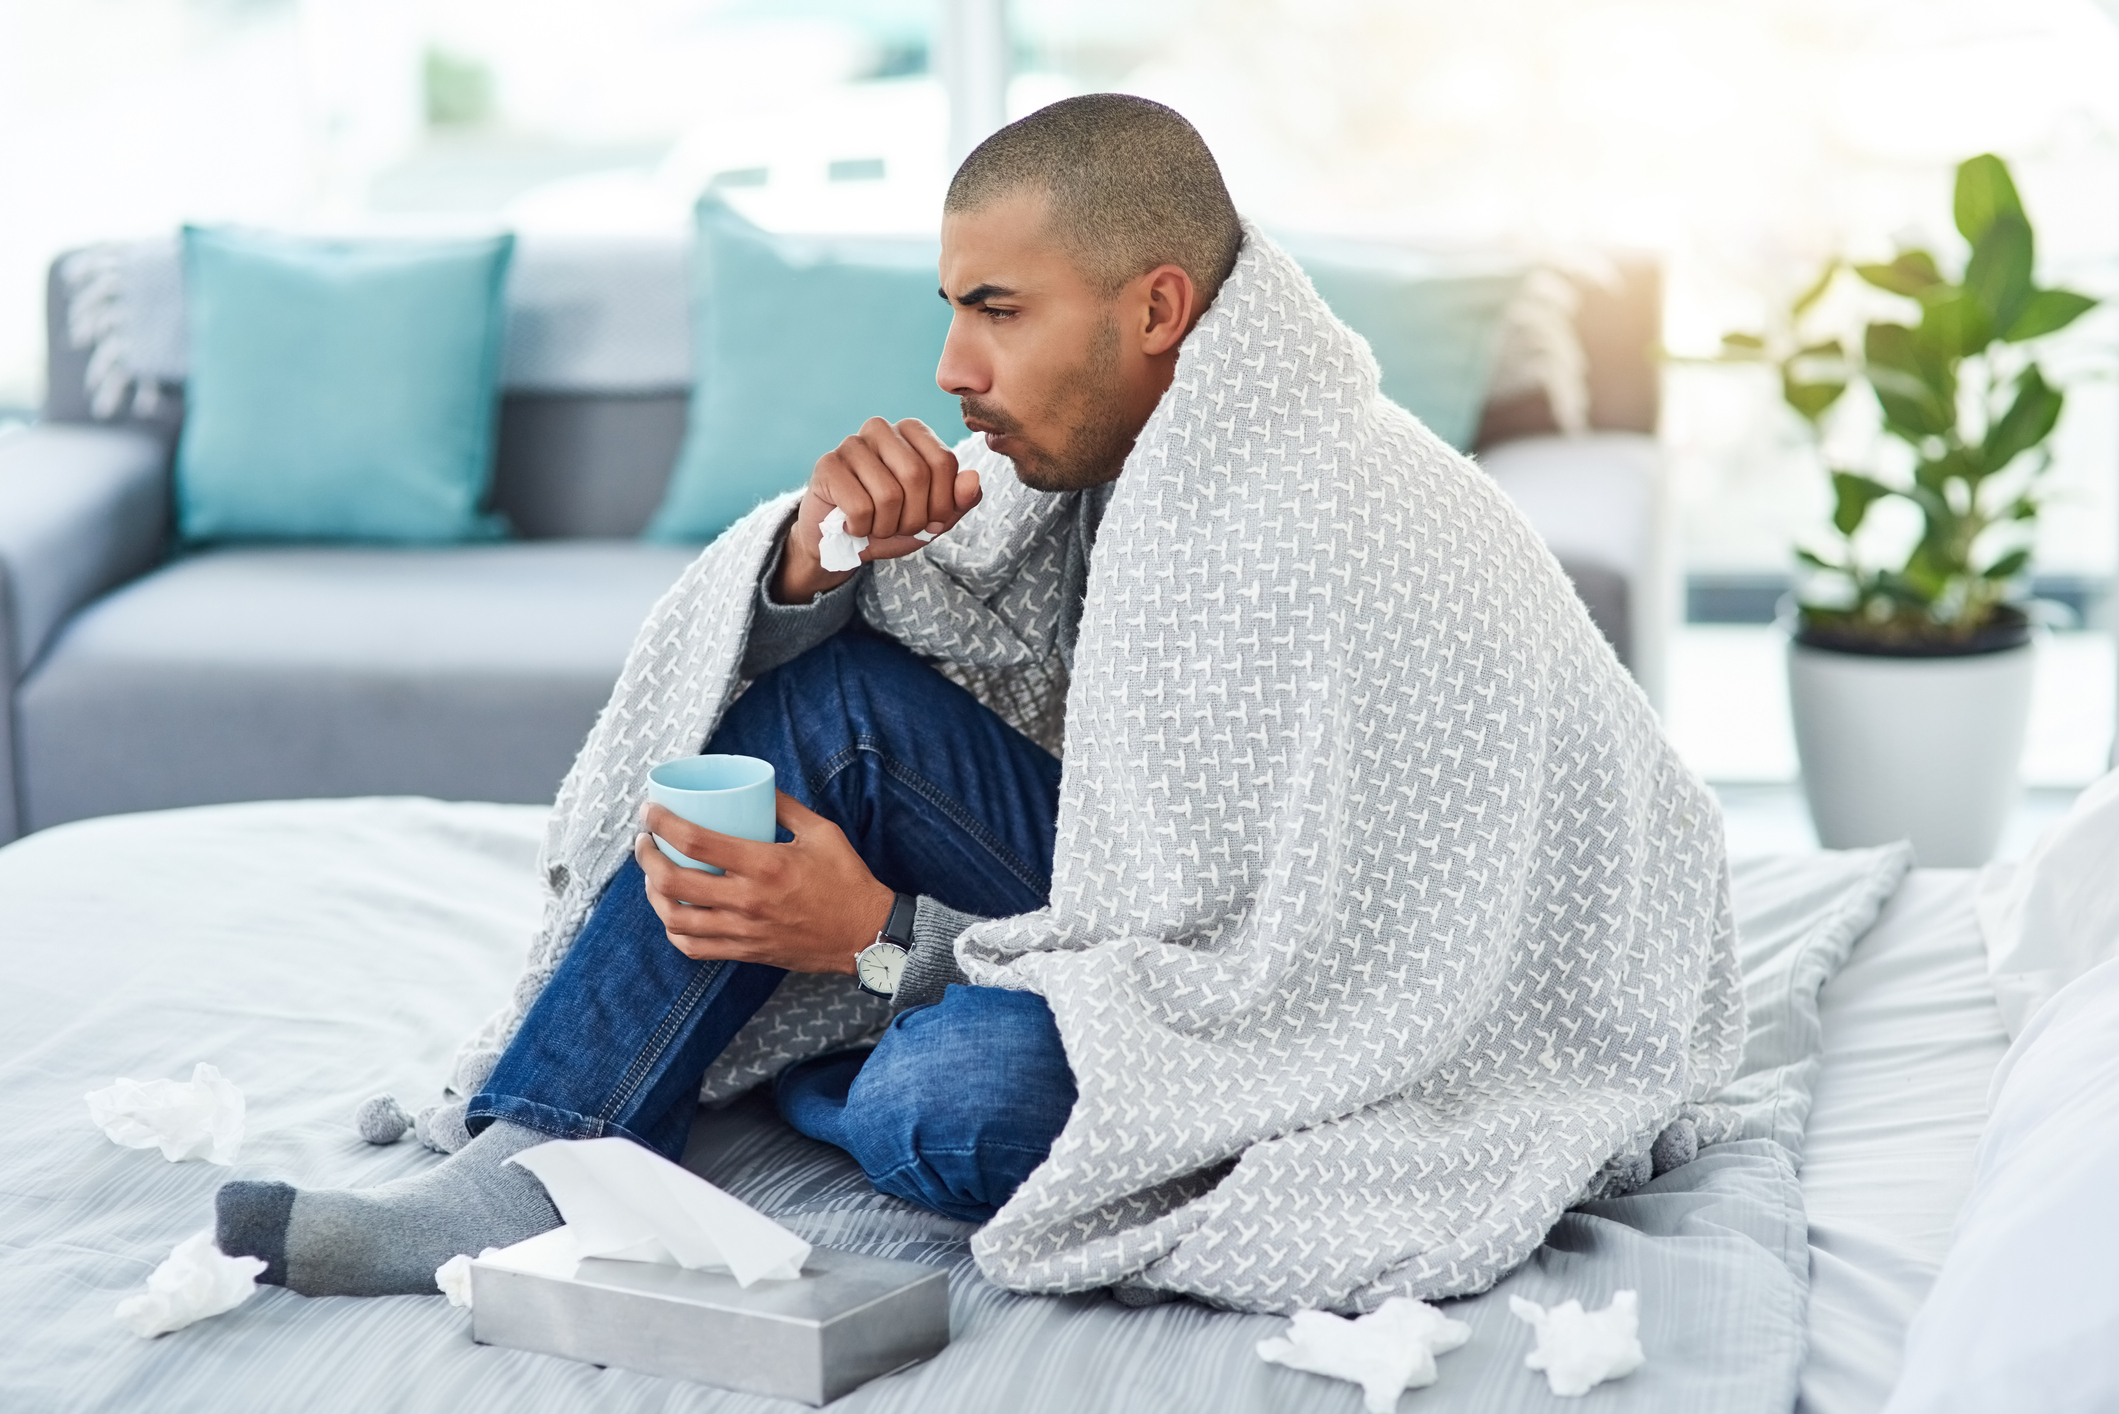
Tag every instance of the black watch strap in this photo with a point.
(899, 927)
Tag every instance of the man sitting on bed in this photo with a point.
(1058, 376)
(1457, 720)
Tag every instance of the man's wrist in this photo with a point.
(802, 575)
(880, 966)
(876, 902)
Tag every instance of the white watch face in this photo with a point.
(879, 967)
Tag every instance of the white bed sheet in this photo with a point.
(1911, 1037)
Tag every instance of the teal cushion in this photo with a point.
(797, 341)
(339, 389)
(1435, 331)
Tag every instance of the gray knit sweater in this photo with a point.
(780, 633)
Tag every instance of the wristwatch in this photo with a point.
(878, 966)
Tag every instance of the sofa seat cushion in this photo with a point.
(463, 672)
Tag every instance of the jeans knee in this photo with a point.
(961, 1101)
(956, 1162)
(782, 717)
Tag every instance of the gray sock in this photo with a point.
(387, 1241)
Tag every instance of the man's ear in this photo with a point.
(1170, 305)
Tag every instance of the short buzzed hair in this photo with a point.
(1131, 184)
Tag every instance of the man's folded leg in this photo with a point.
(953, 1108)
(938, 796)
(614, 1045)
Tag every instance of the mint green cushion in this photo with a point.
(1435, 331)
(339, 389)
(797, 341)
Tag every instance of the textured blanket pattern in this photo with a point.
(1384, 923)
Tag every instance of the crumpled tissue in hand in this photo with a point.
(839, 552)
(1579, 1349)
(199, 1118)
(1387, 1352)
(195, 1281)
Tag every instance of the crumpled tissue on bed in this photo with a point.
(199, 1118)
(195, 1281)
(453, 1277)
(1580, 1349)
(839, 552)
(1387, 1352)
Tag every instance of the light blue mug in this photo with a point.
(731, 795)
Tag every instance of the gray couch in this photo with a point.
(133, 678)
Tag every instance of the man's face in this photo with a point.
(1040, 357)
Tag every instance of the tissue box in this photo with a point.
(846, 1320)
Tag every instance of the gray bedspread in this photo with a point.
(283, 943)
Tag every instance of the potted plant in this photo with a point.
(1910, 648)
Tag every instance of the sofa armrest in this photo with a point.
(1602, 503)
(82, 510)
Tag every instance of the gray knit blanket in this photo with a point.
(1384, 925)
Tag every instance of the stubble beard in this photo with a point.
(1087, 401)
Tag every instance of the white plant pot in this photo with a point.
(1920, 749)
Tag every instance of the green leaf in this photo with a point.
(1750, 342)
(1819, 363)
(1810, 399)
(1918, 396)
(1816, 291)
(2029, 420)
(2046, 312)
(1941, 520)
(1813, 559)
(1928, 572)
(1999, 272)
(1962, 464)
(1855, 494)
(1911, 274)
(1905, 589)
(1984, 191)
(1953, 326)
(1891, 346)
(2008, 566)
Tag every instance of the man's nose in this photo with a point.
(963, 372)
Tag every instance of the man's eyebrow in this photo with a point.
(978, 295)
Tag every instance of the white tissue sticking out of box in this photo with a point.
(199, 1118)
(549, 1254)
(1387, 1352)
(1580, 1349)
(195, 1281)
(626, 1202)
(839, 552)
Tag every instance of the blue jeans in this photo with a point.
(958, 1101)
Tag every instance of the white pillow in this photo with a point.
(2024, 1312)
(2055, 916)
